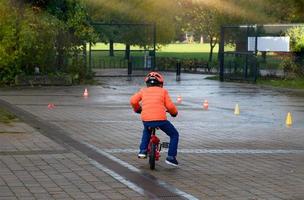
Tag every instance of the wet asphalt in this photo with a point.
(222, 155)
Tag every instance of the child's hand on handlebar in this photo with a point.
(138, 111)
(173, 115)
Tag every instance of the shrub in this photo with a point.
(296, 35)
(290, 68)
(26, 41)
(32, 37)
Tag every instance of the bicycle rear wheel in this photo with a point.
(152, 156)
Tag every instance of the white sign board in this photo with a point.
(280, 44)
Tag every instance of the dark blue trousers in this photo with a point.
(165, 126)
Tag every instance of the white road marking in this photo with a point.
(218, 151)
(116, 176)
(177, 191)
(106, 154)
(134, 169)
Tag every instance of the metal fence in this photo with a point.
(249, 51)
(123, 46)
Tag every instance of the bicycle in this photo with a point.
(154, 148)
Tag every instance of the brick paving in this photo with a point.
(34, 167)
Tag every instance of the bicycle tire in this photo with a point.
(152, 156)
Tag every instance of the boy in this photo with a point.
(153, 102)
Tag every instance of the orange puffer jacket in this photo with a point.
(155, 101)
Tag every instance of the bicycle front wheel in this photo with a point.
(152, 156)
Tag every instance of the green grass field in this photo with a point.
(187, 48)
(180, 51)
(199, 51)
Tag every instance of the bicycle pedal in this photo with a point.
(165, 144)
(141, 157)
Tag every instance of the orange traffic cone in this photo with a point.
(51, 106)
(86, 93)
(179, 99)
(206, 105)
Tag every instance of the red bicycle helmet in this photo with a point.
(154, 78)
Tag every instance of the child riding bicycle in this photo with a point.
(153, 102)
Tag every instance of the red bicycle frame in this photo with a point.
(154, 140)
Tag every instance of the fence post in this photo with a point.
(221, 53)
(84, 54)
(154, 46)
(129, 69)
(246, 67)
(256, 53)
(90, 57)
(256, 63)
(178, 70)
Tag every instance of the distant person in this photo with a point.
(153, 102)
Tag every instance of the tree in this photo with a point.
(206, 17)
(74, 30)
(23, 40)
(136, 11)
(34, 32)
(285, 11)
(202, 20)
(207, 22)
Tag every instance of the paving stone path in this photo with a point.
(222, 156)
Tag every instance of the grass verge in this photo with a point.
(297, 83)
(215, 77)
(6, 117)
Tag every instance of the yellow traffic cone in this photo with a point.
(50, 106)
(288, 120)
(237, 109)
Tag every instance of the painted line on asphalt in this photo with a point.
(177, 191)
(134, 169)
(34, 152)
(217, 151)
(91, 121)
(152, 189)
(119, 178)
(108, 155)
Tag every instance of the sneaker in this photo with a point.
(172, 161)
(142, 154)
